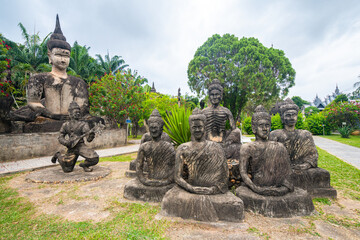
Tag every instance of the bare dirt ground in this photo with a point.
(90, 201)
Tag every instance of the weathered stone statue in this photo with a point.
(232, 148)
(265, 171)
(145, 138)
(204, 194)
(72, 134)
(303, 154)
(49, 94)
(216, 115)
(160, 158)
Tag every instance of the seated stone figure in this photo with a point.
(265, 171)
(72, 135)
(216, 115)
(303, 154)
(160, 158)
(145, 138)
(204, 194)
(50, 94)
(232, 148)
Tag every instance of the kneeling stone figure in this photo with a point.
(203, 195)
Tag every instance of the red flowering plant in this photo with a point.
(344, 112)
(6, 87)
(118, 96)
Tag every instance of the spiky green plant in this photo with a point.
(177, 125)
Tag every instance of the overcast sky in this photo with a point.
(159, 38)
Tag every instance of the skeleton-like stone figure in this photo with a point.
(72, 134)
(204, 194)
(160, 158)
(49, 94)
(265, 170)
(216, 115)
(303, 154)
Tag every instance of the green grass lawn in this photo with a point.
(19, 220)
(352, 140)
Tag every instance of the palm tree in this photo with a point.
(111, 65)
(82, 64)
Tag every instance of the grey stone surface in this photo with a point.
(56, 175)
(32, 145)
(209, 208)
(297, 203)
(135, 190)
(35, 163)
(345, 152)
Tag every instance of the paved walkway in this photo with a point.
(345, 152)
(35, 163)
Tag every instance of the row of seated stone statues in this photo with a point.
(276, 175)
(278, 171)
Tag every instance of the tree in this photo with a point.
(111, 65)
(82, 64)
(118, 96)
(311, 110)
(341, 98)
(299, 101)
(356, 93)
(248, 71)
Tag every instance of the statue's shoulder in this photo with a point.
(40, 77)
(304, 133)
(184, 147)
(278, 133)
(225, 109)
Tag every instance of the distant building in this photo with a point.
(153, 88)
(320, 104)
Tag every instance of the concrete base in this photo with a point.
(297, 203)
(56, 175)
(315, 180)
(210, 208)
(31, 145)
(135, 190)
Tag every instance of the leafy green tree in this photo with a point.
(111, 65)
(82, 64)
(118, 96)
(248, 71)
(299, 101)
(341, 98)
(311, 110)
(356, 93)
(343, 112)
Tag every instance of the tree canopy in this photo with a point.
(248, 70)
(299, 101)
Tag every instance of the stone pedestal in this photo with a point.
(131, 173)
(297, 203)
(210, 208)
(315, 180)
(56, 175)
(135, 190)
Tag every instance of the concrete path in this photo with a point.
(345, 152)
(35, 163)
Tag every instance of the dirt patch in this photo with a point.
(91, 201)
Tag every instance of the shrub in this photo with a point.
(247, 125)
(177, 125)
(344, 131)
(300, 121)
(311, 110)
(337, 113)
(317, 124)
(276, 122)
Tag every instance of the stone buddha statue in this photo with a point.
(216, 115)
(303, 154)
(265, 171)
(159, 156)
(49, 94)
(202, 195)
